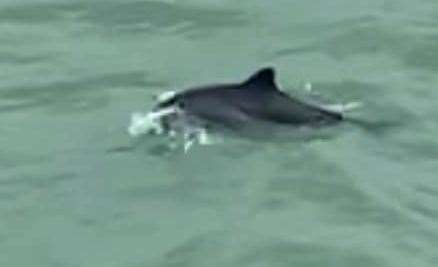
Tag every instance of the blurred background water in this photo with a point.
(72, 72)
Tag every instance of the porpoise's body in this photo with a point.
(257, 100)
(248, 107)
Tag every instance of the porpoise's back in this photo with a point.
(258, 98)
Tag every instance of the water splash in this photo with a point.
(151, 123)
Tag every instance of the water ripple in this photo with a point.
(151, 15)
(80, 94)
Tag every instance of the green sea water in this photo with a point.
(72, 73)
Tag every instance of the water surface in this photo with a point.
(72, 72)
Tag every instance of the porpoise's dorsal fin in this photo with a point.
(263, 79)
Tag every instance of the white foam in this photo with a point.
(197, 135)
(308, 87)
(143, 123)
(204, 138)
(342, 108)
(188, 143)
(165, 96)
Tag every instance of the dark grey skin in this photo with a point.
(256, 101)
